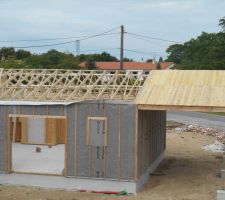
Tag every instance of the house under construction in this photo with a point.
(94, 130)
(82, 125)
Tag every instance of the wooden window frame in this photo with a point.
(89, 119)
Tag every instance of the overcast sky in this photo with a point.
(178, 20)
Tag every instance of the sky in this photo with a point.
(176, 20)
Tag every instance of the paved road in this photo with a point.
(203, 119)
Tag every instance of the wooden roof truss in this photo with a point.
(69, 85)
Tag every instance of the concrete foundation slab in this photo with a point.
(58, 182)
(220, 195)
(49, 160)
(222, 173)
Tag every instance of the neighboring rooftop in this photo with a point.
(131, 65)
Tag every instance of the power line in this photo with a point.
(69, 42)
(153, 38)
(50, 39)
(144, 52)
(149, 41)
(106, 49)
(56, 44)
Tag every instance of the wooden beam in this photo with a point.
(182, 108)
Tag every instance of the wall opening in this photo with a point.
(37, 144)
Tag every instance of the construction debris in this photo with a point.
(216, 147)
(217, 134)
(38, 149)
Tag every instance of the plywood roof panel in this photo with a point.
(192, 88)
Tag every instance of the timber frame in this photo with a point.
(69, 85)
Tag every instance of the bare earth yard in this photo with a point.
(187, 173)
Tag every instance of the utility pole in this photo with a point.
(121, 47)
(77, 47)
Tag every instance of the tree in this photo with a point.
(158, 66)
(53, 60)
(128, 60)
(21, 54)
(106, 57)
(160, 59)
(175, 52)
(222, 23)
(207, 51)
(7, 52)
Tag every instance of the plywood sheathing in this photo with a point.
(68, 85)
(201, 90)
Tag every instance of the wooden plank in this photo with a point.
(14, 129)
(24, 136)
(37, 116)
(51, 131)
(182, 108)
(61, 131)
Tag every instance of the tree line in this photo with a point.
(53, 59)
(207, 51)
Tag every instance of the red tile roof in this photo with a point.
(132, 65)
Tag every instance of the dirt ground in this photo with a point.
(187, 173)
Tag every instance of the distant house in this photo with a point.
(146, 66)
(133, 65)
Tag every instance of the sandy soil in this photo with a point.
(187, 173)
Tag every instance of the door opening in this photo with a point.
(37, 144)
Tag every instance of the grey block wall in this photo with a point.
(151, 138)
